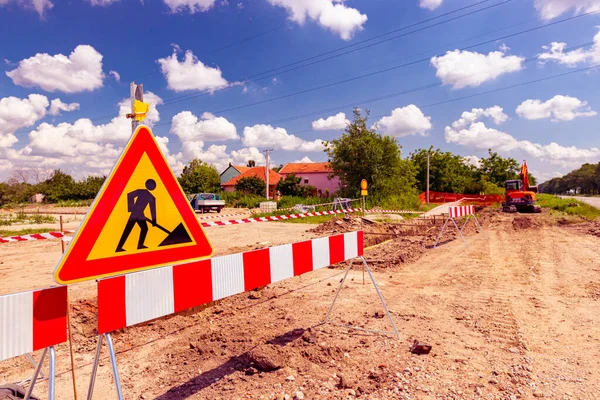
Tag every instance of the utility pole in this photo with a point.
(427, 190)
(267, 151)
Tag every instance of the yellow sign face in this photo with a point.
(122, 234)
(364, 192)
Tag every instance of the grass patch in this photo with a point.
(22, 218)
(567, 206)
(74, 203)
(28, 231)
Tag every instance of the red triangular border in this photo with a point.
(74, 266)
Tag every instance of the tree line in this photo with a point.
(584, 180)
(359, 153)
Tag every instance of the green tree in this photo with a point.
(277, 169)
(251, 185)
(88, 188)
(362, 153)
(447, 172)
(290, 186)
(199, 177)
(498, 170)
(251, 164)
(60, 186)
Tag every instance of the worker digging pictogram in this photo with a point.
(137, 202)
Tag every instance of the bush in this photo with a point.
(237, 199)
(567, 206)
(251, 185)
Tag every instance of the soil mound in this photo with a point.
(521, 222)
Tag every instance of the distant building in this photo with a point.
(315, 174)
(258, 172)
(232, 171)
(37, 198)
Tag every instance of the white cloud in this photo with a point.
(40, 6)
(265, 135)
(430, 4)
(241, 156)
(194, 132)
(556, 52)
(559, 108)
(102, 3)
(115, 75)
(472, 160)
(469, 131)
(405, 121)
(18, 113)
(190, 74)
(80, 71)
(192, 6)
(549, 9)
(331, 14)
(57, 105)
(465, 68)
(338, 121)
(304, 159)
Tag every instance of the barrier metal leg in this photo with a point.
(32, 360)
(113, 361)
(51, 373)
(35, 375)
(380, 297)
(465, 224)
(440, 234)
(479, 226)
(366, 266)
(460, 233)
(95, 368)
(338, 291)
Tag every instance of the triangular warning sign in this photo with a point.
(140, 219)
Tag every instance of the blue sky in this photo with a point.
(215, 72)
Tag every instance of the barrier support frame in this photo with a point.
(459, 230)
(113, 361)
(51, 373)
(365, 266)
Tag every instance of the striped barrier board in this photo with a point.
(34, 236)
(31, 321)
(139, 297)
(215, 216)
(460, 211)
(276, 218)
(377, 211)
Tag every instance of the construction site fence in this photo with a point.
(476, 199)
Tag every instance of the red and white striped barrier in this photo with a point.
(139, 297)
(215, 216)
(377, 211)
(34, 236)
(460, 211)
(31, 321)
(276, 218)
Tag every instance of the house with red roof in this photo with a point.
(318, 174)
(258, 172)
(232, 171)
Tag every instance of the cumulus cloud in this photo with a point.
(242, 156)
(465, 68)
(331, 14)
(405, 121)
(261, 135)
(338, 121)
(115, 75)
(40, 6)
(556, 52)
(559, 108)
(191, 6)
(471, 132)
(209, 128)
(18, 113)
(430, 4)
(304, 159)
(80, 71)
(549, 9)
(57, 105)
(190, 73)
(472, 160)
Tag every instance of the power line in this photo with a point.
(425, 59)
(257, 77)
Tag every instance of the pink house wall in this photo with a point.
(320, 180)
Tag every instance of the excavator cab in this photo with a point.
(520, 197)
(514, 185)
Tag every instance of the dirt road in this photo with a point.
(516, 317)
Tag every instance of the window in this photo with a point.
(305, 181)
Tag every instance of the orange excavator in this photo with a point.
(520, 197)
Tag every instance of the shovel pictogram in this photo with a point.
(176, 236)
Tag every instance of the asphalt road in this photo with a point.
(592, 201)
